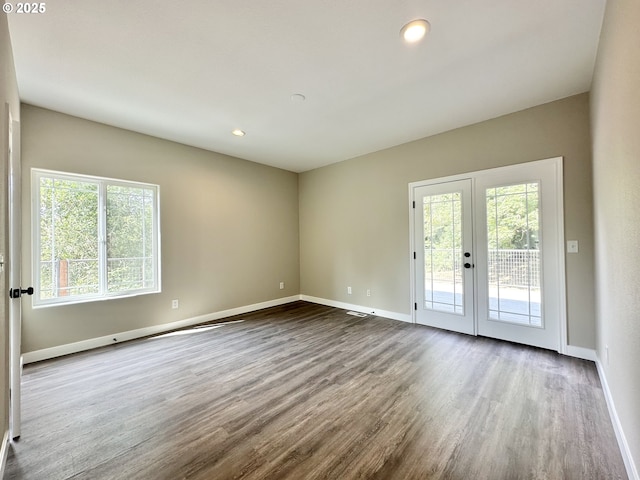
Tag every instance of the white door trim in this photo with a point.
(557, 163)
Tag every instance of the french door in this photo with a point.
(488, 256)
(15, 291)
(444, 229)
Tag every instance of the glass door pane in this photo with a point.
(513, 254)
(443, 276)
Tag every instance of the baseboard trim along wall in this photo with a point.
(629, 463)
(570, 350)
(69, 348)
(4, 451)
(47, 353)
(358, 308)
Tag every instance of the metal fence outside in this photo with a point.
(508, 268)
(514, 268)
(61, 278)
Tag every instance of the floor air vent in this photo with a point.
(356, 314)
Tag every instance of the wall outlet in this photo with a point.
(348, 290)
(174, 304)
(281, 285)
(368, 292)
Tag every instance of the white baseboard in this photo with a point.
(52, 352)
(580, 352)
(358, 308)
(69, 348)
(4, 451)
(632, 470)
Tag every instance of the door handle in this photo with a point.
(17, 292)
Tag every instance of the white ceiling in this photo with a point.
(193, 71)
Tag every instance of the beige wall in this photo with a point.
(353, 217)
(8, 95)
(615, 100)
(229, 226)
(354, 220)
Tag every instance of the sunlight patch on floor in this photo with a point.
(198, 329)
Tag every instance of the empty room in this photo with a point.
(320, 240)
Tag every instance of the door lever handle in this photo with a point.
(17, 292)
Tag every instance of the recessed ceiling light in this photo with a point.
(238, 133)
(415, 30)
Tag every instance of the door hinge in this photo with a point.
(414, 255)
(415, 306)
(414, 204)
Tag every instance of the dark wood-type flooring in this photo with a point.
(304, 391)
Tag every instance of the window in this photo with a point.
(94, 238)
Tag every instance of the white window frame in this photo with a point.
(103, 183)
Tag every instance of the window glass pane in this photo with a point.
(94, 238)
(513, 230)
(129, 238)
(68, 238)
(443, 252)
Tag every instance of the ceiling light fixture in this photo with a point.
(415, 30)
(238, 133)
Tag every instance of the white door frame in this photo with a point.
(557, 162)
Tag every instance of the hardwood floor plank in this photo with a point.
(304, 391)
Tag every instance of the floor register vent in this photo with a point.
(356, 314)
